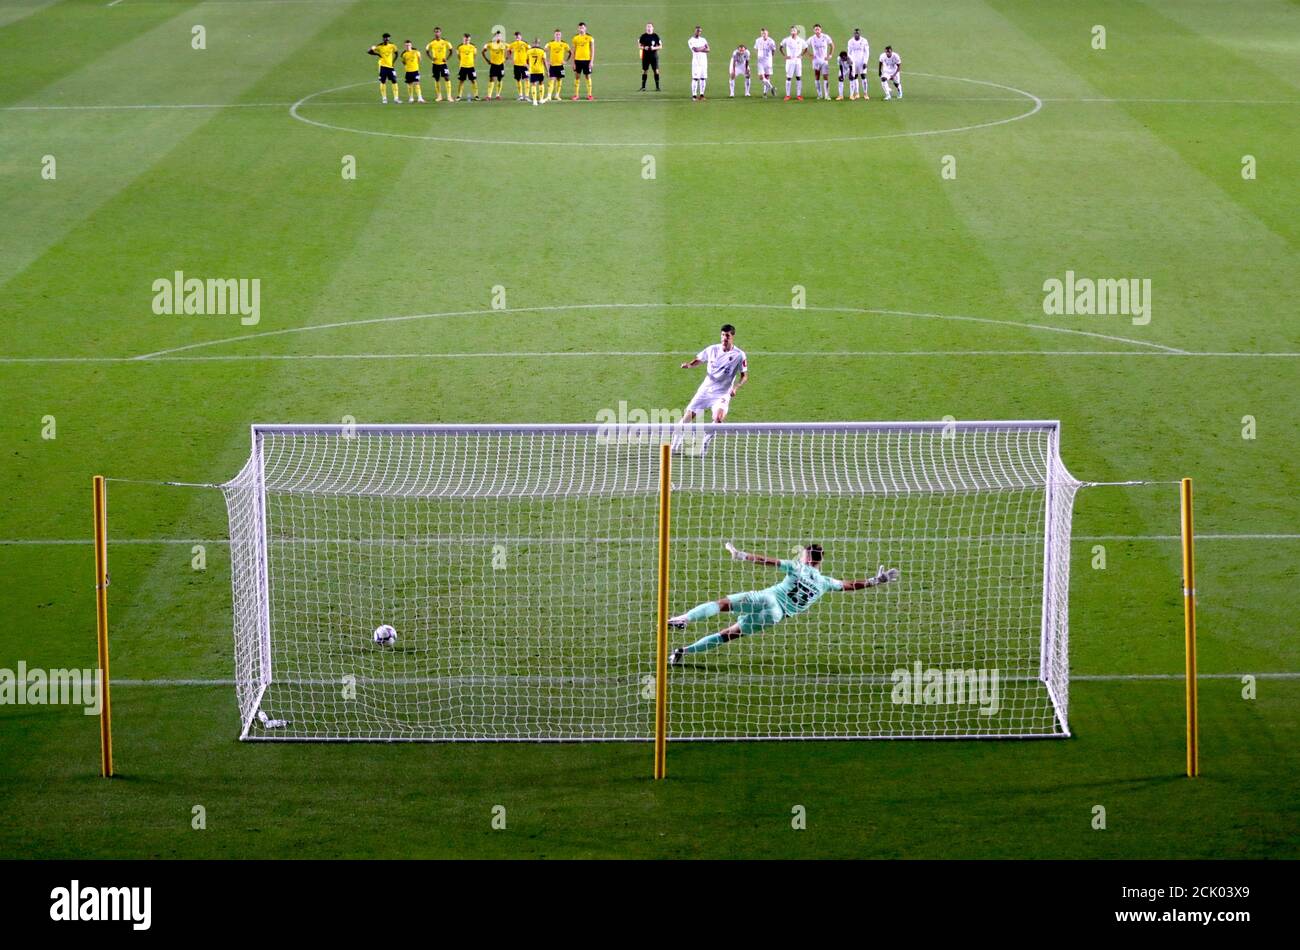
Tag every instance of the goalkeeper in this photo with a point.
(802, 586)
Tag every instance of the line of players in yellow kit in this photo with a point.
(538, 67)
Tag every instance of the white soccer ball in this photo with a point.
(385, 635)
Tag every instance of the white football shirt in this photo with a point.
(859, 49)
(739, 60)
(722, 367)
(821, 46)
(793, 46)
(764, 49)
(698, 44)
(889, 63)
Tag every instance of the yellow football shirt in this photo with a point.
(411, 60)
(536, 60)
(386, 53)
(519, 50)
(582, 46)
(557, 49)
(467, 52)
(439, 50)
(496, 53)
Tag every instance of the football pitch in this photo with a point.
(499, 262)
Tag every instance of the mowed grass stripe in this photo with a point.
(108, 160)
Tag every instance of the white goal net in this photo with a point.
(518, 568)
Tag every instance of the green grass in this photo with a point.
(1131, 168)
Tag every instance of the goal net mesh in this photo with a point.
(518, 566)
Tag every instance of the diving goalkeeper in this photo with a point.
(802, 586)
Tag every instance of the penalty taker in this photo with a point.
(803, 585)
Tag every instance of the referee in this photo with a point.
(649, 44)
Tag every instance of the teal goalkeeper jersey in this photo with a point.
(802, 587)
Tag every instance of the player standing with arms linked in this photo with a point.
(649, 44)
(726, 369)
(699, 64)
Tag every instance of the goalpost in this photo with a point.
(519, 566)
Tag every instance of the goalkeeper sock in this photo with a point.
(705, 644)
(702, 611)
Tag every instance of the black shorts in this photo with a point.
(387, 74)
(557, 72)
(582, 67)
(412, 76)
(536, 79)
(521, 73)
(439, 71)
(649, 59)
(467, 72)
(496, 70)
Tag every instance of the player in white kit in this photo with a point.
(739, 67)
(859, 55)
(699, 63)
(726, 368)
(794, 48)
(891, 70)
(764, 50)
(821, 46)
(846, 74)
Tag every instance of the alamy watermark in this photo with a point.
(39, 687)
(214, 296)
(1103, 296)
(919, 686)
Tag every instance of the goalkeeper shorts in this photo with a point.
(756, 610)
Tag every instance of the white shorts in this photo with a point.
(699, 72)
(889, 77)
(822, 64)
(709, 400)
(764, 67)
(859, 67)
(794, 69)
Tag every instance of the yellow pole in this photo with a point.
(101, 625)
(661, 627)
(1189, 632)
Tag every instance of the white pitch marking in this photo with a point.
(367, 103)
(588, 354)
(643, 306)
(1037, 105)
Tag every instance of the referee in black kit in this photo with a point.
(649, 44)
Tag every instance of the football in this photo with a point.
(385, 635)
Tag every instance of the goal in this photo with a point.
(518, 565)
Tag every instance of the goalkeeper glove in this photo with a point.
(735, 554)
(884, 576)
